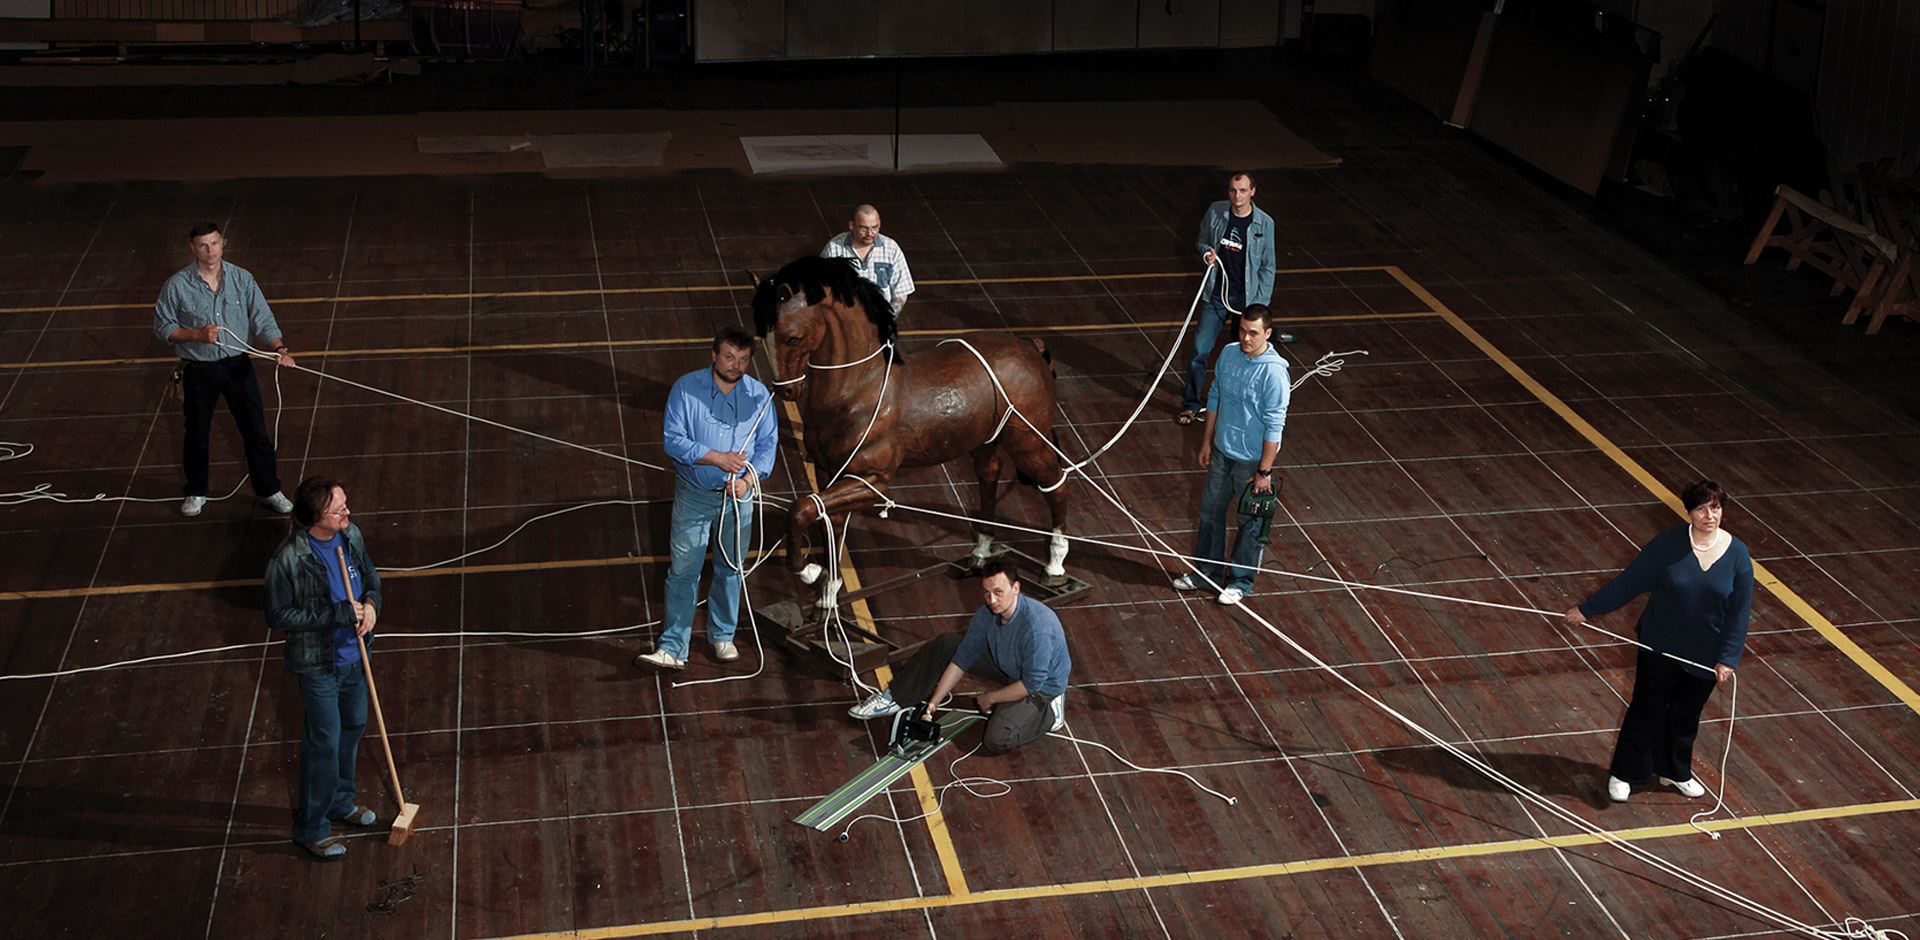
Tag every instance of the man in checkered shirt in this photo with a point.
(877, 259)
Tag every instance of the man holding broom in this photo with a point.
(326, 625)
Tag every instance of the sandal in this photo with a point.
(1188, 416)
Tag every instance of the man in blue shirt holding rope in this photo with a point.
(196, 305)
(721, 433)
(1246, 413)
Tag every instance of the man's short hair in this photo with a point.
(310, 499)
(864, 209)
(1000, 566)
(1258, 312)
(1246, 176)
(734, 336)
(204, 228)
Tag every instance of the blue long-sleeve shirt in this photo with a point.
(1031, 646)
(1249, 400)
(238, 307)
(1699, 616)
(700, 418)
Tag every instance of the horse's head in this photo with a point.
(797, 304)
(797, 326)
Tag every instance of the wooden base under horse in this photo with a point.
(870, 412)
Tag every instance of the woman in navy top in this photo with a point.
(1700, 585)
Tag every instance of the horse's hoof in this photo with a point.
(810, 573)
(1055, 580)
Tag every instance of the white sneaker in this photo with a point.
(1691, 788)
(659, 659)
(192, 505)
(279, 502)
(1059, 711)
(725, 651)
(1232, 596)
(1617, 789)
(878, 705)
(1189, 582)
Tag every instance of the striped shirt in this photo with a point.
(885, 265)
(187, 302)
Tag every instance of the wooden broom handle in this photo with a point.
(373, 693)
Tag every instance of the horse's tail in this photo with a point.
(1047, 355)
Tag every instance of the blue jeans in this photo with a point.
(336, 703)
(703, 519)
(1207, 323)
(1226, 477)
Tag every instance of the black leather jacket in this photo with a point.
(299, 601)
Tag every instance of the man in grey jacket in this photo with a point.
(325, 621)
(1237, 244)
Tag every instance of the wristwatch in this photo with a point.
(1265, 473)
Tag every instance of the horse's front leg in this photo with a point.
(840, 499)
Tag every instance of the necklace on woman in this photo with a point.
(1696, 541)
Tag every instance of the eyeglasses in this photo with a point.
(337, 512)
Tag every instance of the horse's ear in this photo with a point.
(750, 278)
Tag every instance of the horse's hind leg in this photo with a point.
(1041, 464)
(986, 469)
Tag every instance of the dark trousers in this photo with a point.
(1012, 723)
(336, 705)
(202, 385)
(1663, 718)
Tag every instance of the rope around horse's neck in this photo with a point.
(811, 365)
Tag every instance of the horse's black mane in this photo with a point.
(817, 277)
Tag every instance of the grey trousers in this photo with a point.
(1011, 724)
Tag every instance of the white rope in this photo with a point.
(1720, 798)
(1526, 794)
(1231, 801)
(844, 365)
(263, 354)
(13, 450)
(886, 378)
(1152, 385)
(978, 785)
(1326, 365)
(127, 663)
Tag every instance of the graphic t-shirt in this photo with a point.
(1232, 251)
(346, 646)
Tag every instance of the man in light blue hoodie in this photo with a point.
(1246, 413)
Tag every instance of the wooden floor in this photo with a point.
(1530, 389)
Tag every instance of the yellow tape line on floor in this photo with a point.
(1761, 575)
(1218, 875)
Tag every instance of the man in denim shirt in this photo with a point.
(721, 433)
(325, 622)
(199, 303)
(1246, 413)
(1237, 237)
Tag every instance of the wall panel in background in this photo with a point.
(1094, 24)
(1166, 24)
(741, 29)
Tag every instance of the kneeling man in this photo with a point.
(1014, 642)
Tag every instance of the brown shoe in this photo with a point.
(326, 850)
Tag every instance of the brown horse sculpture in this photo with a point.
(869, 411)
